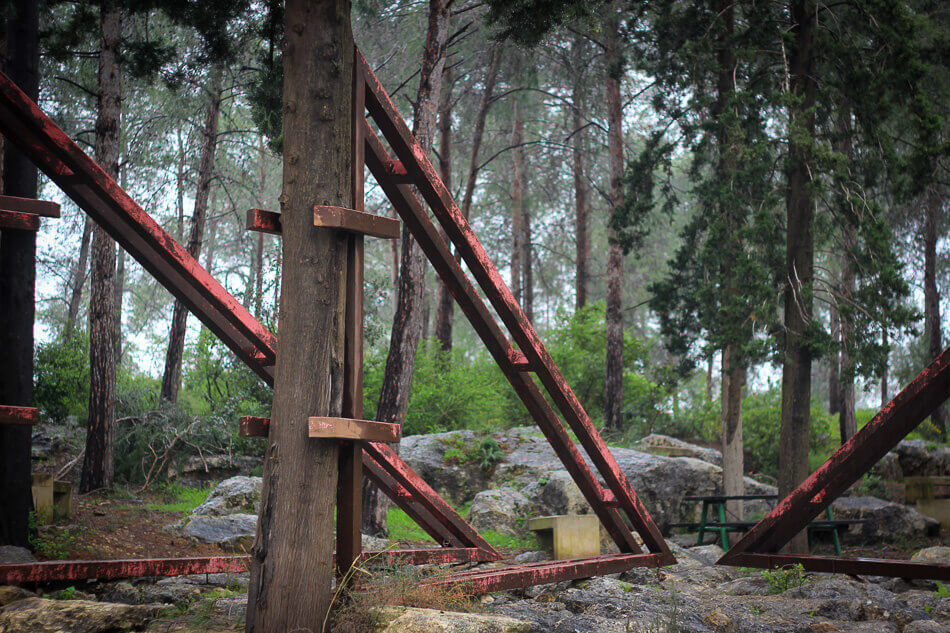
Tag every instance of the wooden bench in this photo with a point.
(828, 526)
(569, 536)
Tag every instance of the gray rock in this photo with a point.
(672, 447)
(10, 593)
(232, 608)
(197, 469)
(413, 620)
(920, 458)
(888, 468)
(39, 615)
(532, 557)
(501, 510)
(373, 543)
(559, 495)
(939, 554)
(926, 626)
(13, 555)
(236, 495)
(455, 481)
(232, 532)
(886, 521)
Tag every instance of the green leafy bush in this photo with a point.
(61, 377)
(782, 579)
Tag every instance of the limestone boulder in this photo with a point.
(502, 510)
(939, 554)
(39, 615)
(435, 458)
(885, 521)
(235, 495)
(414, 620)
(920, 458)
(232, 532)
(201, 469)
(672, 447)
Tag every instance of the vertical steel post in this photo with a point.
(349, 516)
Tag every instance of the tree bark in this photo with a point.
(932, 204)
(292, 556)
(799, 259)
(613, 384)
(259, 250)
(582, 245)
(847, 421)
(212, 234)
(517, 207)
(407, 322)
(17, 285)
(834, 360)
(446, 304)
(79, 277)
(171, 378)
(884, 342)
(98, 464)
(119, 292)
(733, 462)
(408, 319)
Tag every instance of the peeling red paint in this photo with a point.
(18, 415)
(14, 220)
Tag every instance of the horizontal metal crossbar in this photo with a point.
(30, 206)
(14, 220)
(18, 415)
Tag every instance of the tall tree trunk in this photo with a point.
(171, 378)
(799, 259)
(119, 292)
(259, 250)
(733, 366)
(97, 468)
(932, 204)
(613, 384)
(408, 320)
(847, 421)
(527, 267)
(17, 285)
(212, 233)
(79, 277)
(582, 245)
(834, 359)
(292, 556)
(446, 304)
(517, 207)
(884, 342)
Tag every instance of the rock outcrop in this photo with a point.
(235, 495)
(39, 615)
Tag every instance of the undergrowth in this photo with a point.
(178, 498)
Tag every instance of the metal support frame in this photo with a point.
(900, 416)
(95, 192)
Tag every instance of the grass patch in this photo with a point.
(403, 528)
(506, 541)
(180, 499)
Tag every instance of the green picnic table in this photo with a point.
(718, 504)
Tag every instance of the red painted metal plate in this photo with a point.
(18, 415)
(30, 206)
(16, 221)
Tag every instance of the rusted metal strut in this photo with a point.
(791, 515)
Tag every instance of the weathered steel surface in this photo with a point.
(428, 556)
(18, 415)
(839, 565)
(36, 135)
(501, 578)
(14, 220)
(456, 227)
(349, 429)
(354, 221)
(264, 221)
(518, 360)
(252, 426)
(31, 206)
(793, 513)
(109, 569)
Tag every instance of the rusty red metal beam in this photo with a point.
(501, 578)
(855, 457)
(428, 556)
(18, 415)
(18, 221)
(30, 206)
(38, 137)
(424, 176)
(252, 426)
(52, 571)
(841, 565)
(263, 221)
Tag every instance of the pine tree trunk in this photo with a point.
(582, 246)
(847, 421)
(446, 304)
(517, 208)
(292, 556)
(613, 384)
(259, 250)
(409, 316)
(834, 360)
(408, 320)
(478, 133)
(212, 233)
(119, 292)
(97, 469)
(17, 286)
(799, 259)
(733, 462)
(527, 266)
(79, 277)
(171, 378)
(884, 343)
(932, 204)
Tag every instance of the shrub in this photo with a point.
(61, 377)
